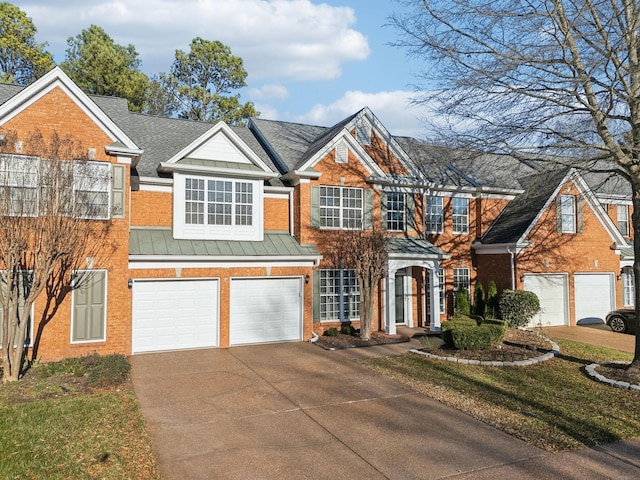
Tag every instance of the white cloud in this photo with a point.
(394, 109)
(284, 39)
(269, 92)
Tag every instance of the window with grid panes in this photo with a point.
(622, 215)
(331, 294)
(568, 213)
(341, 207)
(460, 214)
(395, 211)
(434, 217)
(227, 202)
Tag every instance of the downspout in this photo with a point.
(513, 268)
(291, 226)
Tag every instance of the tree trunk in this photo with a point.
(635, 218)
(366, 308)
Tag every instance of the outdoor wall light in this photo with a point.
(306, 279)
(130, 283)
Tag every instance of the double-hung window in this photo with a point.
(460, 214)
(395, 211)
(91, 182)
(461, 279)
(30, 186)
(567, 214)
(339, 291)
(434, 217)
(623, 220)
(19, 182)
(341, 207)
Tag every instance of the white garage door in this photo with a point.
(594, 296)
(174, 314)
(552, 293)
(265, 310)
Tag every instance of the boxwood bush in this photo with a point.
(518, 307)
(466, 333)
(480, 337)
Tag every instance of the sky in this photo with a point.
(308, 61)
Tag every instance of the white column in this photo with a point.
(435, 299)
(390, 311)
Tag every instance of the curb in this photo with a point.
(591, 371)
(555, 350)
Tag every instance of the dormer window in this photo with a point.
(217, 208)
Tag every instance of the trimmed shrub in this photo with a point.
(494, 321)
(492, 309)
(331, 332)
(518, 307)
(462, 301)
(466, 337)
(109, 371)
(347, 329)
(479, 305)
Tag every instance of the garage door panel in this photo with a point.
(594, 296)
(552, 292)
(173, 315)
(265, 310)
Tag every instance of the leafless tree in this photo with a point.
(551, 77)
(54, 219)
(365, 252)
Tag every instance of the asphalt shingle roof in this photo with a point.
(412, 246)
(519, 214)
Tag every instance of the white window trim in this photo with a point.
(341, 208)
(427, 215)
(442, 300)
(566, 225)
(183, 230)
(622, 214)
(105, 189)
(337, 295)
(402, 211)
(454, 215)
(73, 309)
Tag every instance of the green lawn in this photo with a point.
(57, 428)
(552, 405)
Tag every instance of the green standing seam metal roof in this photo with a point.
(160, 241)
(412, 246)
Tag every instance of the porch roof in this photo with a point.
(414, 247)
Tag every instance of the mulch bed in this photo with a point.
(517, 345)
(341, 341)
(619, 373)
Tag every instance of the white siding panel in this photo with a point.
(220, 148)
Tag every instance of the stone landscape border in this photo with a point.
(555, 350)
(591, 371)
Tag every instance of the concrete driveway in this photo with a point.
(294, 410)
(594, 334)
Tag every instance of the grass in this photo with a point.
(54, 424)
(552, 405)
